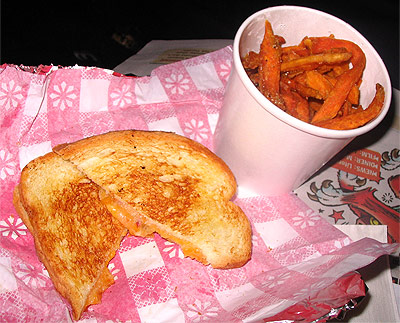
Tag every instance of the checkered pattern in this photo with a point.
(295, 252)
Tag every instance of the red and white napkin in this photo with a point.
(300, 263)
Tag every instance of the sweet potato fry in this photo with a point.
(314, 61)
(344, 82)
(299, 84)
(345, 109)
(270, 66)
(294, 52)
(356, 109)
(251, 60)
(339, 69)
(254, 77)
(314, 106)
(354, 95)
(295, 104)
(302, 110)
(360, 118)
(318, 82)
(280, 40)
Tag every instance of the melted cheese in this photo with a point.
(130, 221)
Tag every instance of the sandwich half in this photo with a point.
(165, 183)
(75, 234)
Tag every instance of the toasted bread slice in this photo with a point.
(165, 183)
(75, 235)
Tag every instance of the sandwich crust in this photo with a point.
(171, 185)
(74, 233)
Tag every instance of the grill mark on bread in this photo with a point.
(69, 223)
(158, 205)
(70, 231)
(75, 235)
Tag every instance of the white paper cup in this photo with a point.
(269, 151)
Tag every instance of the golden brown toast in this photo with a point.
(165, 183)
(75, 235)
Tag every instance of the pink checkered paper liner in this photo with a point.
(295, 252)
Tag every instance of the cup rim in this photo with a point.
(282, 115)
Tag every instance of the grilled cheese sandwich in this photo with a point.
(93, 191)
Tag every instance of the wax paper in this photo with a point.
(299, 260)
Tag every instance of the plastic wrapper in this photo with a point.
(332, 302)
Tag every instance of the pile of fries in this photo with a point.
(316, 81)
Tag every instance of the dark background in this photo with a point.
(105, 33)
